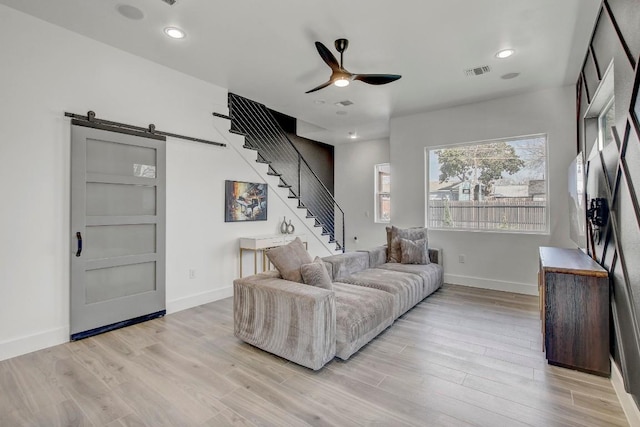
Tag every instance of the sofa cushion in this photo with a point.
(414, 252)
(406, 288)
(394, 234)
(431, 274)
(361, 314)
(289, 258)
(344, 265)
(316, 274)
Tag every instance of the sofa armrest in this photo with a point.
(377, 255)
(292, 320)
(435, 255)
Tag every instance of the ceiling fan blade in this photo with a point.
(376, 79)
(328, 57)
(322, 86)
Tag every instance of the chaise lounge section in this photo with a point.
(311, 325)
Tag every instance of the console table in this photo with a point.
(574, 309)
(262, 244)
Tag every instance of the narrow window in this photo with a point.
(383, 192)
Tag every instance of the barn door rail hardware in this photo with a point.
(149, 131)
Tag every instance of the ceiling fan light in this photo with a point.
(342, 82)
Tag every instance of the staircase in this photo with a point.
(263, 134)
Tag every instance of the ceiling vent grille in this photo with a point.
(344, 103)
(477, 71)
(169, 2)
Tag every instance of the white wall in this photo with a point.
(354, 190)
(46, 71)
(493, 260)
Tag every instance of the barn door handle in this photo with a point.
(79, 237)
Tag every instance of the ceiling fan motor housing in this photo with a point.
(341, 45)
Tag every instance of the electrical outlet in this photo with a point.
(192, 274)
(461, 258)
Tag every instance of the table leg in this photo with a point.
(255, 262)
(240, 262)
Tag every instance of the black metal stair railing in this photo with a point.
(263, 133)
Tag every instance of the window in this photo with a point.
(497, 185)
(606, 119)
(383, 192)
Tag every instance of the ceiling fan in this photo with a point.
(340, 76)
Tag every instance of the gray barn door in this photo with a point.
(117, 229)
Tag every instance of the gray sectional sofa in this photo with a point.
(310, 326)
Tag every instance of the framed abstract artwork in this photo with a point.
(245, 201)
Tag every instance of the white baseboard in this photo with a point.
(628, 404)
(29, 343)
(496, 285)
(198, 299)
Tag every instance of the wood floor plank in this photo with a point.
(557, 403)
(353, 407)
(153, 408)
(228, 418)
(64, 414)
(258, 411)
(462, 357)
(99, 403)
(295, 404)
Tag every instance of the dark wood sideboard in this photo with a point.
(574, 309)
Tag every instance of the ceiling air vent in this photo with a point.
(169, 2)
(477, 71)
(344, 103)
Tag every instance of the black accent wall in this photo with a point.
(614, 173)
(317, 154)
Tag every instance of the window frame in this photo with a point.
(378, 193)
(602, 120)
(547, 215)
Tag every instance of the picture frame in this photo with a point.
(245, 201)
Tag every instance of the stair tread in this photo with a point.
(274, 174)
(222, 116)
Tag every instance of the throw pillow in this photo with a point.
(414, 252)
(394, 251)
(316, 274)
(289, 258)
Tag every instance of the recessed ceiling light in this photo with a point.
(130, 12)
(319, 101)
(509, 76)
(505, 53)
(352, 135)
(175, 33)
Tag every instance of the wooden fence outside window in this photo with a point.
(508, 214)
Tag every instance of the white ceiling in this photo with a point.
(264, 50)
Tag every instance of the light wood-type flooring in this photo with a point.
(462, 357)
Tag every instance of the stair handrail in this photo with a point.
(301, 158)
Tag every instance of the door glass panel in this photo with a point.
(120, 199)
(114, 282)
(119, 240)
(119, 159)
